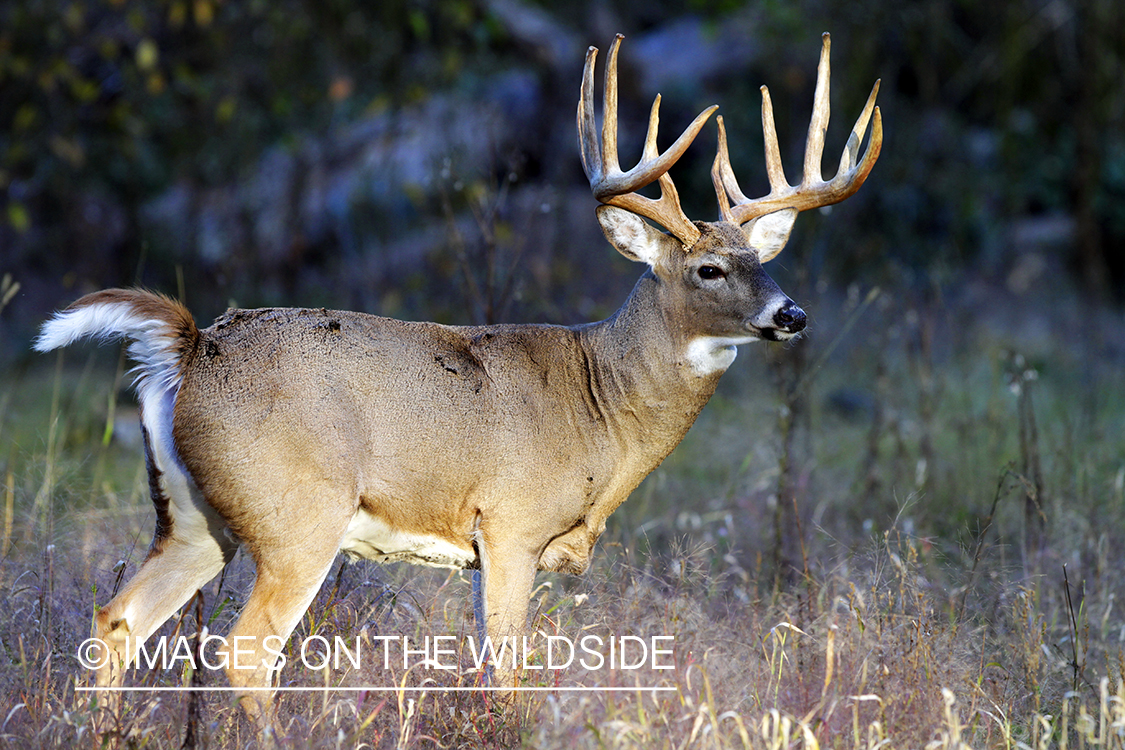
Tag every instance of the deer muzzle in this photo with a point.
(788, 321)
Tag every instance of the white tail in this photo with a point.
(302, 433)
(158, 330)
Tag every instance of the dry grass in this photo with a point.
(957, 580)
(859, 663)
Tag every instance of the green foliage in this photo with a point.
(125, 95)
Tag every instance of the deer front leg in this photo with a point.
(507, 575)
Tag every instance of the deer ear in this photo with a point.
(634, 237)
(768, 234)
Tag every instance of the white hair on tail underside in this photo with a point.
(152, 341)
(159, 331)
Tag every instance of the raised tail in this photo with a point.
(162, 337)
(160, 331)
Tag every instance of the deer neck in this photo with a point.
(640, 374)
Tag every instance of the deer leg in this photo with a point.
(180, 562)
(508, 574)
(288, 579)
(162, 585)
(478, 604)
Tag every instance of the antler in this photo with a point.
(599, 158)
(813, 190)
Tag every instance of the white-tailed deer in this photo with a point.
(303, 433)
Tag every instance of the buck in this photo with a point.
(301, 433)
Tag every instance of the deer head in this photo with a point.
(718, 264)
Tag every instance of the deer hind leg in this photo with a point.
(188, 549)
(290, 573)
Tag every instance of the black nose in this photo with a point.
(790, 318)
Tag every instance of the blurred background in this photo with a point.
(418, 159)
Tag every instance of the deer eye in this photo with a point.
(709, 273)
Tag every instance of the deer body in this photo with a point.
(302, 433)
(362, 402)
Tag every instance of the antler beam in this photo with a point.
(608, 182)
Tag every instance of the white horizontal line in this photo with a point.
(375, 689)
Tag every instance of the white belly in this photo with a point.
(371, 538)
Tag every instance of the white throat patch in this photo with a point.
(710, 354)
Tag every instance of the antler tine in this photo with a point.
(720, 169)
(610, 162)
(818, 123)
(722, 176)
(588, 146)
(774, 169)
(608, 182)
(851, 149)
(813, 191)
